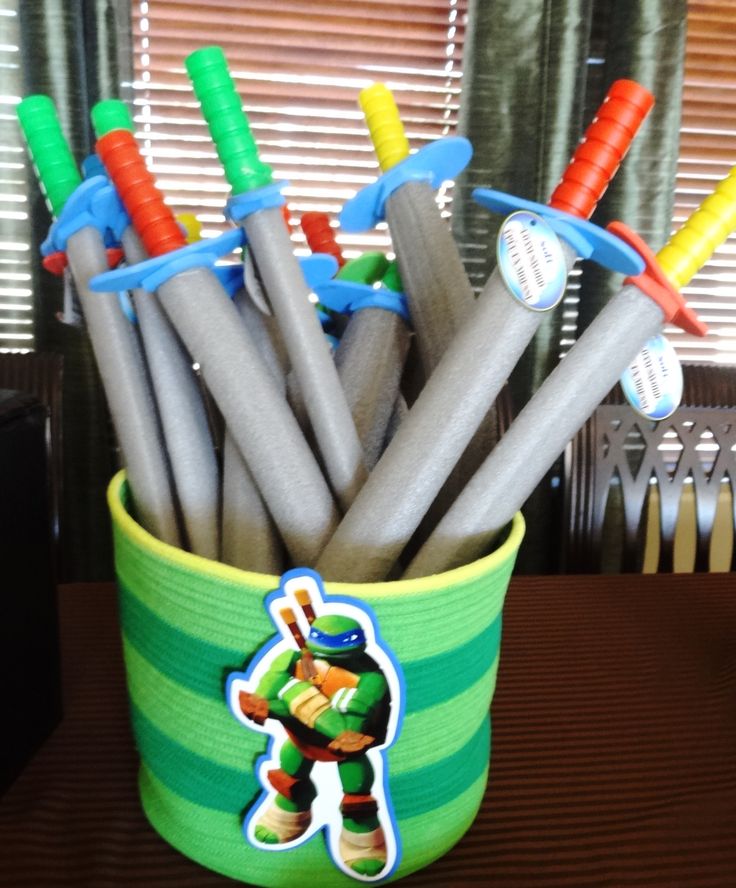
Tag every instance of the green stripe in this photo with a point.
(203, 667)
(206, 727)
(428, 836)
(417, 792)
(202, 725)
(216, 611)
(206, 783)
(196, 778)
(230, 614)
(442, 729)
(196, 664)
(435, 679)
(215, 840)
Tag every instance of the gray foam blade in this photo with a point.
(309, 353)
(185, 425)
(255, 411)
(433, 436)
(249, 538)
(127, 389)
(439, 293)
(370, 362)
(540, 432)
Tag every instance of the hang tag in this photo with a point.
(531, 261)
(653, 382)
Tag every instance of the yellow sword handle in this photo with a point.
(706, 229)
(384, 125)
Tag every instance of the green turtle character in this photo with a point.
(333, 702)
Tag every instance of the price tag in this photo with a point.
(531, 261)
(653, 382)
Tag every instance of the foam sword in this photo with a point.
(256, 205)
(372, 352)
(438, 291)
(373, 347)
(458, 395)
(285, 470)
(84, 213)
(184, 419)
(577, 385)
(249, 540)
(239, 529)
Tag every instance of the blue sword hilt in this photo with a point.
(588, 240)
(434, 164)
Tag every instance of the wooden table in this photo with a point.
(614, 749)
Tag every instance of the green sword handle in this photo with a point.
(228, 124)
(57, 171)
(111, 114)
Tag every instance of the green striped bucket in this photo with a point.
(188, 622)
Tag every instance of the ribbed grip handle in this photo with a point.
(384, 125)
(321, 235)
(152, 219)
(706, 229)
(602, 148)
(191, 227)
(367, 268)
(110, 115)
(227, 122)
(58, 173)
(392, 279)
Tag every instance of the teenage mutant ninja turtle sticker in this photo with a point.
(329, 693)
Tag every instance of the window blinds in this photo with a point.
(707, 153)
(16, 317)
(298, 67)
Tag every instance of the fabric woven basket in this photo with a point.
(188, 622)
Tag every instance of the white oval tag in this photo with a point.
(653, 382)
(531, 261)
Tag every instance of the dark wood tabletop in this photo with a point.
(613, 763)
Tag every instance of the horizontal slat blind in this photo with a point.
(707, 153)
(298, 67)
(16, 317)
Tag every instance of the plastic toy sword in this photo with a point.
(576, 386)
(254, 409)
(320, 235)
(450, 408)
(81, 232)
(437, 288)
(256, 205)
(373, 347)
(249, 538)
(178, 396)
(372, 351)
